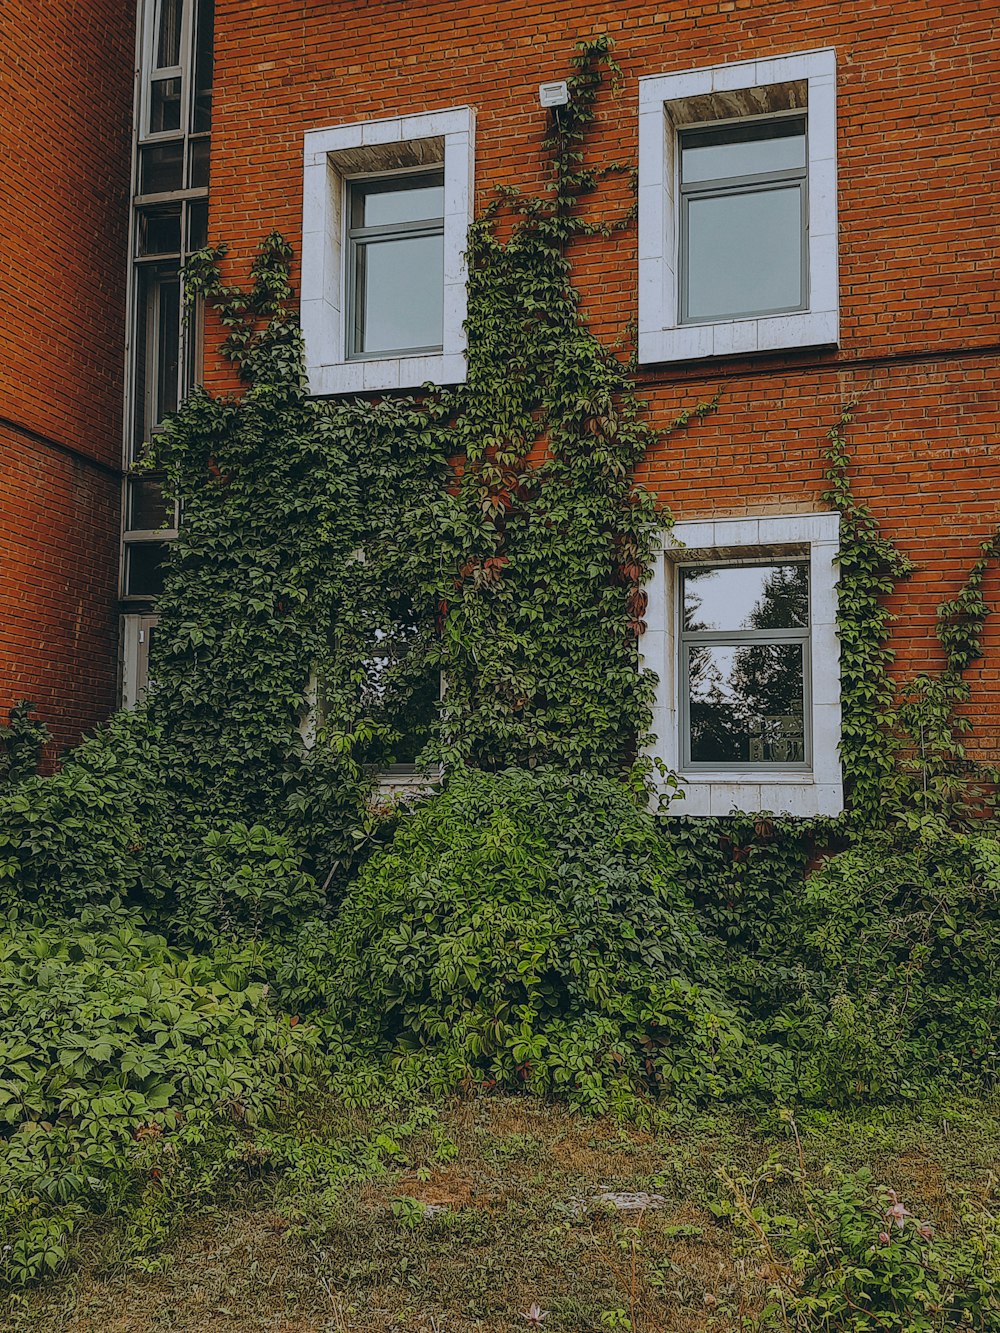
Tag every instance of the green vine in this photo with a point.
(901, 745)
(337, 558)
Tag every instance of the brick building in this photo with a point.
(816, 224)
(65, 144)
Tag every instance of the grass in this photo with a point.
(494, 1208)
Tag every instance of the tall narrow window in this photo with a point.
(169, 221)
(745, 665)
(396, 258)
(743, 219)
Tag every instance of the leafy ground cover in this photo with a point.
(492, 1206)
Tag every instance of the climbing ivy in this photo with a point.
(529, 554)
(337, 559)
(901, 746)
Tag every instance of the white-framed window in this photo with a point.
(741, 634)
(137, 637)
(386, 211)
(738, 208)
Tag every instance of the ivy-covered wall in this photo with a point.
(918, 349)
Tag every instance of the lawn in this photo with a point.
(495, 1206)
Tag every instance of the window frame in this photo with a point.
(362, 236)
(729, 186)
(189, 203)
(718, 789)
(726, 638)
(332, 157)
(136, 629)
(803, 84)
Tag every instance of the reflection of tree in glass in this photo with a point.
(717, 729)
(768, 678)
(746, 700)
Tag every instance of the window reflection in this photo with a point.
(738, 597)
(745, 636)
(747, 704)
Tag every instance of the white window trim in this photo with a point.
(661, 336)
(323, 273)
(818, 791)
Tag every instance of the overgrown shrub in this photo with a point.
(22, 740)
(873, 976)
(849, 1257)
(110, 1042)
(529, 929)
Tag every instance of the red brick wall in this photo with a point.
(65, 113)
(918, 244)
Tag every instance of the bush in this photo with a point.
(22, 741)
(529, 928)
(114, 1047)
(851, 1258)
(881, 972)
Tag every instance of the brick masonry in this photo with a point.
(66, 77)
(918, 180)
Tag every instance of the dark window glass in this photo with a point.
(164, 105)
(194, 354)
(161, 168)
(198, 162)
(746, 597)
(157, 349)
(201, 112)
(144, 568)
(159, 231)
(197, 224)
(148, 509)
(400, 690)
(747, 703)
(167, 45)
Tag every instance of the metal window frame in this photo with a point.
(752, 183)
(191, 323)
(737, 638)
(149, 73)
(356, 238)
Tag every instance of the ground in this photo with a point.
(497, 1209)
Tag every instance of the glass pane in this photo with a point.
(159, 232)
(161, 168)
(168, 339)
(202, 108)
(744, 253)
(144, 568)
(380, 205)
(198, 163)
(197, 224)
(157, 349)
(400, 293)
(167, 52)
(743, 150)
(194, 354)
(148, 510)
(733, 597)
(165, 105)
(747, 703)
